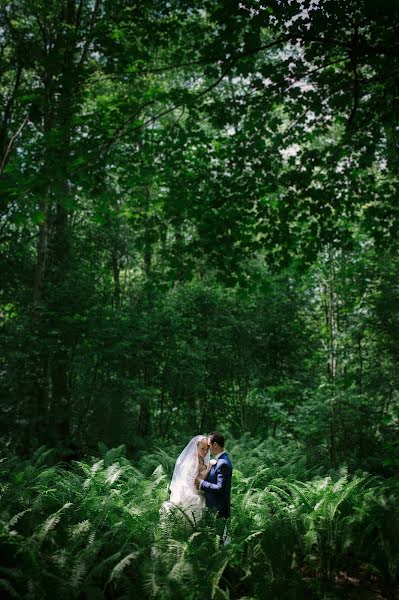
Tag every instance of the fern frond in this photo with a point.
(115, 453)
(97, 466)
(122, 564)
(113, 473)
(14, 520)
(104, 564)
(216, 577)
(79, 571)
(150, 585)
(7, 587)
(40, 455)
(80, 528)
(51, 522)
(182, 571)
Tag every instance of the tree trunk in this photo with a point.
(332, 327)
(147, 235)
(61, 260)
(116, 275)
(38, 396)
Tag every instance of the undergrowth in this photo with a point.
(92, 529)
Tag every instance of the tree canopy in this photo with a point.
(199, 217)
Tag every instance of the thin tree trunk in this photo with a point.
(147, 236)
(360, 352)
(42, 248)
(332, 345)
(61, 364)
(38, 396)
(116, 275)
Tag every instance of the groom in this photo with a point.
(217, 486)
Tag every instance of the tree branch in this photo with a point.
(356, 87)
(90, 31)
(10, 102)
(206, 61)
(123, 127)
(11, 144)
(121, 130)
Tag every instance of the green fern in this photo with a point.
(96, 525)
(122, 565)
(79, 571)
(51, 522)
(8, 588)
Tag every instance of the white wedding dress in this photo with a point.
(184, 496)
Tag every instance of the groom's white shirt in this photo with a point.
(217, 456)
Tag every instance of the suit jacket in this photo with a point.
(217, 486)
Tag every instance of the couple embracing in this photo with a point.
(200, 482)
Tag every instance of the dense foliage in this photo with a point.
(94, 530)
(198, 231)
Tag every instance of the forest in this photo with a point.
(199, 231)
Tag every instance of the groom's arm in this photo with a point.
(221, 480)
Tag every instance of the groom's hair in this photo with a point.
(217, 437)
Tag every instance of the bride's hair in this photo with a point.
(203, 439)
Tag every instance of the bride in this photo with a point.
(184, 496)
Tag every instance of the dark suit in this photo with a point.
(217, 486)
